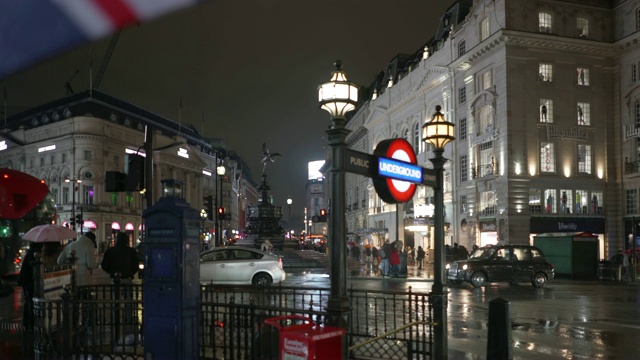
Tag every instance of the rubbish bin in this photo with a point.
(307, 340)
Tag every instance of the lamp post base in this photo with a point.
(339, 315)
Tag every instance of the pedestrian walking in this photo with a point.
(85, 255)
(121, 260)
(420, 257)
(375, 254)
(394, 260)
(385, 252)
(26, 279)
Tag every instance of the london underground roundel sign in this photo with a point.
(398, 172)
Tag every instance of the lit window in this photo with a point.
(114, 199)
(583, 76)
(463, 204)
(584, 159)
(546, 110)
(582, 27)
(535, 205)
(566, 201)
(550, 206)
(545, 22)
(484, 29)
(547, 158)
(596, 202)
(545, 72)
(488, 202)
(582, 202)
(88, 194)
(584, 114)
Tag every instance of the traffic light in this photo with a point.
(221, 213)
(79, 220)
(323, 215)
(5, 231)
(208, 206)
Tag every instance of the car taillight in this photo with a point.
(17, 261)
(280, 263)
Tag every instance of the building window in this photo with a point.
(582, 27)
(535, 203)
(462, 128)
(486, 80)
(114, 199)
(584, 159)
(584, 114)
(638, 19)
(417, 142)
(485, 29)
(547, 158)
(31, 163)
(65, 195)
(634, 72)
(463, 204)
(461, 48)
(582, 201)
(545, 22)
(566, 201)
(546, 110)
(462, 95)
(88, 194)
(583, 76)
(41, 161)
(632, 201)
(596, 202)
(53, 159)
(546, 72)
(464, 168)
(64, 158)
(88, 155)
(550, 206)
(488, 202)
(54, 193)
(128, 199)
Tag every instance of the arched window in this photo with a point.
(582, 27)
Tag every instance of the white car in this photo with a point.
(238, 265)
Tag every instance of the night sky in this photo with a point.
(251, 66)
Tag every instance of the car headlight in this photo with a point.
(464, 267)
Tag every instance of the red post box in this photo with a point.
(307, 340)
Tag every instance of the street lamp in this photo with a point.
(438, 132)
(203, 216)
(338, 96)
(289, 201)
(220, 170)
(73, 199)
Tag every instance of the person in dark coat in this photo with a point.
(27, 281)
(121, 259)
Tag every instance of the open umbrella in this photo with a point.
(49, 233)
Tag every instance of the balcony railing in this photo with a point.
(631, 167)
(481, 171)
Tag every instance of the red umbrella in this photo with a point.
(19, 193)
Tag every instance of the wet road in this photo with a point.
(564, 320)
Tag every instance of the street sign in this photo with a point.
(361, 163)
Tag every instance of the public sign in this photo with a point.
(398, 171)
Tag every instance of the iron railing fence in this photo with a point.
(105, 321)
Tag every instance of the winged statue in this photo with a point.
(267, 157)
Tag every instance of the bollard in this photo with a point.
(499, 344)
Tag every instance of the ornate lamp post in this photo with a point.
(439, 132)
(220, 170)
(289, 201)
(338, 97)
(74, 188)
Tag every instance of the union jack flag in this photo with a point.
(34, 30)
